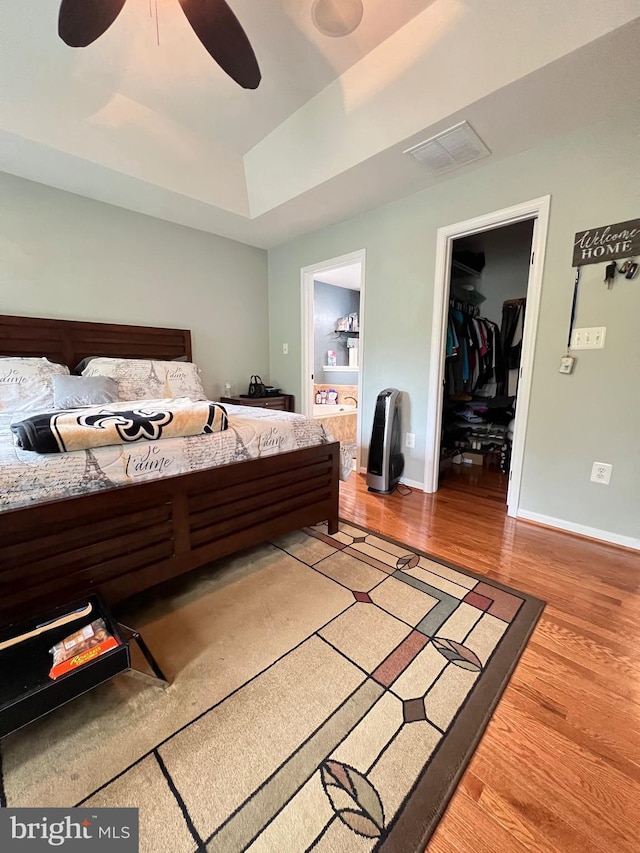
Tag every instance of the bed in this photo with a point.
(124, 540)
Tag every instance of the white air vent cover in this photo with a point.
(450, 149)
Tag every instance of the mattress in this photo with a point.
(27, 478)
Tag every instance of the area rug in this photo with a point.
(327, 693)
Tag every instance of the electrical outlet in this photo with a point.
(285, 349)
(601, 473)
(589, 338)
(410, 439)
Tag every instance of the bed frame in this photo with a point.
(123, 540)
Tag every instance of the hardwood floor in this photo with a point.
(558, 769)
(476, 480)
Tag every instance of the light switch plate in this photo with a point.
(589, 338)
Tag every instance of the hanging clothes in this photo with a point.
(487, 385)
(513, 311)
(473, 353)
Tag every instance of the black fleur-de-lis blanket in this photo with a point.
(119, 423)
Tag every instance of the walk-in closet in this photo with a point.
(487, 306)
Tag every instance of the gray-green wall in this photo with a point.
(592, 415)
(331, 302)
(70, 257)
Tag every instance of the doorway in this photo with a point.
(332, 347)
(491, 265)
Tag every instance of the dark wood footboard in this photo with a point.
(124, 540)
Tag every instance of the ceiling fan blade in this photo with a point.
(223, 37)
(81, 22)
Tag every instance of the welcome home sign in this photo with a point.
(607, 243)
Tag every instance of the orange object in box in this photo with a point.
(79, 648)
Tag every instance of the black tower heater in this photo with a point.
(386, 462)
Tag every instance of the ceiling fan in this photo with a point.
(81, 22)
(336, 18)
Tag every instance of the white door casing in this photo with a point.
(538, 210)
(307, 276)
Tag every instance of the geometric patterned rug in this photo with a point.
(328, 693)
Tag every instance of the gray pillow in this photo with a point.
(73, 392)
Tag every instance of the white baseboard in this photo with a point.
(582, 529)
(414, 484)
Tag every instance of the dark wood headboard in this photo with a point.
(69, 341)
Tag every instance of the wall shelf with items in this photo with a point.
(343, 368)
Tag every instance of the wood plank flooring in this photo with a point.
(476, 480)
(558, 769)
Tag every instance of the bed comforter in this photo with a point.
(27, 478)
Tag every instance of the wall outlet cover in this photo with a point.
(601, 473)
(410, 439)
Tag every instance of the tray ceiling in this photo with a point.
(161, 129)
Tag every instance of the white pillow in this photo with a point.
(147, 379)
(26, 384)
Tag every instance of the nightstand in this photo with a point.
(282, 403)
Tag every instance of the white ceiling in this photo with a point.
(162, 130)
(349, 276)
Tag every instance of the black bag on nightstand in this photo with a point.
(256, 387)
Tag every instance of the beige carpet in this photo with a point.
(326, 694)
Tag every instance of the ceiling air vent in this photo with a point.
(450, 149)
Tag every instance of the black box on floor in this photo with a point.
(26, 689)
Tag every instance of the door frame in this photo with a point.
(538, 210)
(307, 275)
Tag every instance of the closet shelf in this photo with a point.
(464, 269)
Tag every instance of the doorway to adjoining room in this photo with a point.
(332, 343)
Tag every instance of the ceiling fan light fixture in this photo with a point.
(336, 18)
